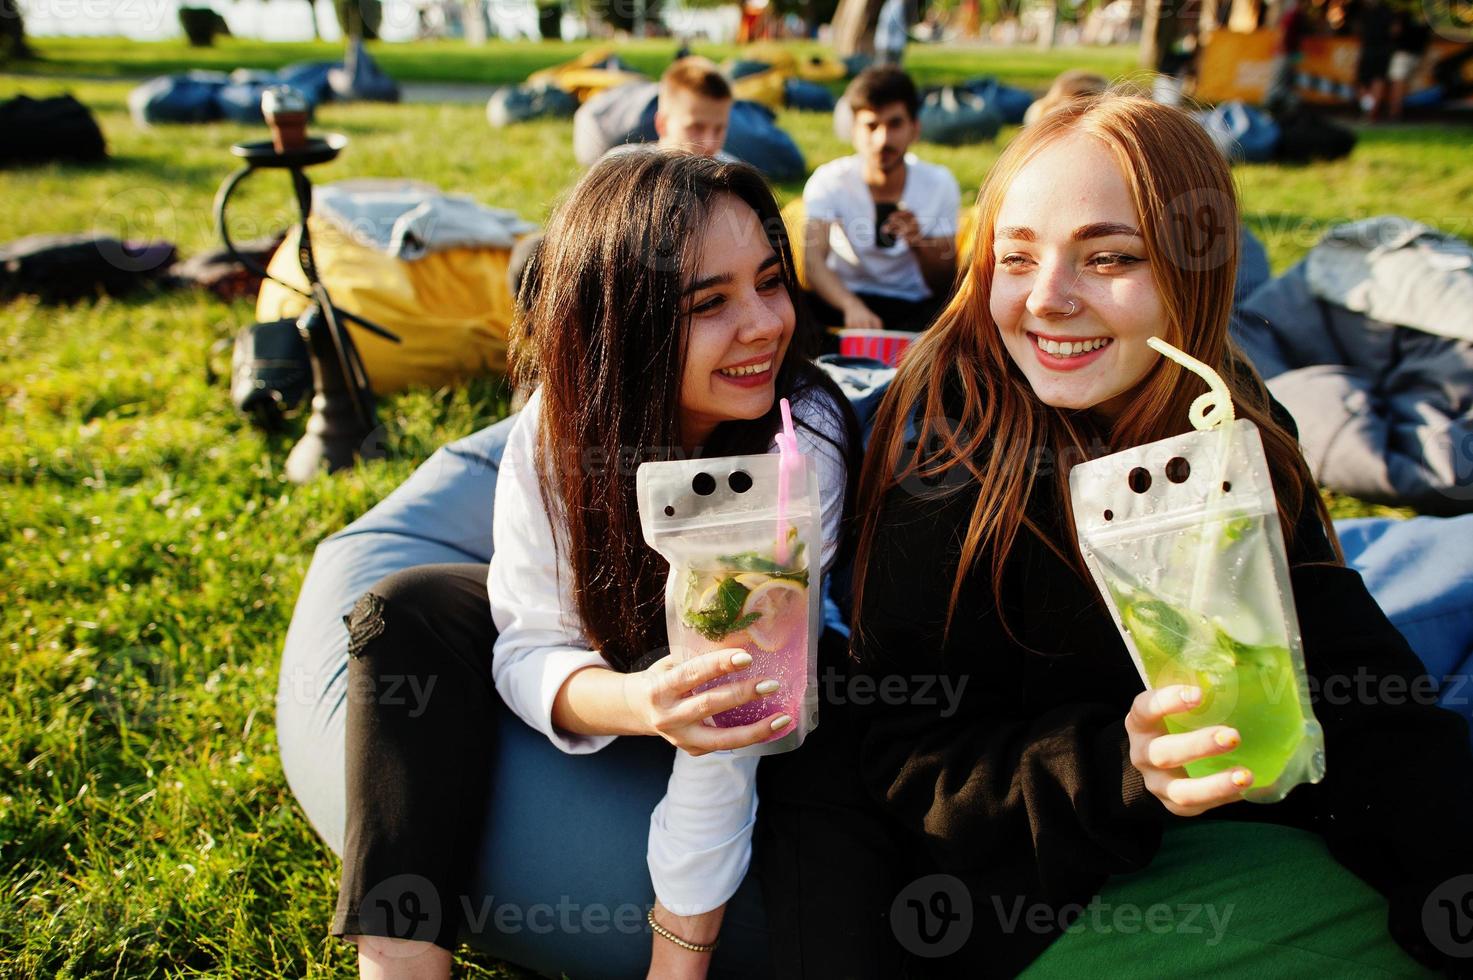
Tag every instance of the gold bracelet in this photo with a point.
(682, 943)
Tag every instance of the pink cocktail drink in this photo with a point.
(767, 616)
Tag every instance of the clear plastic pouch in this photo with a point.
(744, 573)
(1182, 537)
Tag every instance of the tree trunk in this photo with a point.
(854, 26)
(312, 12)
(12, 31)
(474, 15)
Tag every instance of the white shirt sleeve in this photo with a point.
(821, 195)
(700, 842)
(539, 643)
(946, 212)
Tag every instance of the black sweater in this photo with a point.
(1027, 788)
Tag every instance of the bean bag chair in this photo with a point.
(443, 514)
(1306, 136)
(62, 268)
(310, 78)
(754, 137)
(820, 68)
(519, 103)
(625, 114)
(58, 129)
(360, 79)
(808, 96)
(765, 87)
(451, 309)
(187, 98)
(954, 116)
(1008, 102)
(589, 74)
(1241, 132)
(739, 68)
(240, 100)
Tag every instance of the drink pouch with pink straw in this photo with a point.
(743, 538)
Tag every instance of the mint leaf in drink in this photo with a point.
(719, 612)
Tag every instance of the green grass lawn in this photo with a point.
(153, 549)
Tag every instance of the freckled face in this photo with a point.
(1072, 293)
(741, 321)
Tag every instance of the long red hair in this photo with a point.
(990, 440)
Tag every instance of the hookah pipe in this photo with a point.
(343, 414)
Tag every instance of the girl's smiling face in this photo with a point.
(1072, 291)
(739, 321)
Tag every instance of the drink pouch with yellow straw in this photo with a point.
(743, 538)
(1182, 537)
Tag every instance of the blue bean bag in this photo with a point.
(240, 100)
(807, 96)
(1241, 132)
(1008, 102)
(187, 98)
(512, 104)
(566, 862)
(310, 78)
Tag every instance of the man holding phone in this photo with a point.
(880, 232)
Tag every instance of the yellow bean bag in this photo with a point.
(452, 310)
(814, 67)
(585, 76)
(766, 87)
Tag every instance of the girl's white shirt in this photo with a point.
(701, 831)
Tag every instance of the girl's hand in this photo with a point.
(661, 697)
(1160, 756)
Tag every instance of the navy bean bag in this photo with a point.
(187, 98)
(310, 78)
(565, 835)
(1241, 132)
(1008, 102)
(807, 96)
(240, 101)
(519, 103)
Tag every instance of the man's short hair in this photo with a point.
(875, 88)
(696, 75)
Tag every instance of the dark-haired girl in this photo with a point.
(662, 323)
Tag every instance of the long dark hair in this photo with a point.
(604, 337)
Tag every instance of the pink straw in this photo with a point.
(789, 459)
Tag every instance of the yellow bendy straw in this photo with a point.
(1212, 410)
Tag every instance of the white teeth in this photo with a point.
(744, 371)
(1071, 348)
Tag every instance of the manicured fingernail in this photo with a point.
(1226, 738)
(1192, 695)
(742, 659)
(767, 687)
(781, 722)
(1242, 777)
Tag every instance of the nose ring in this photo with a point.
(1073, 309)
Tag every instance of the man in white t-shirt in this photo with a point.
(880, 238)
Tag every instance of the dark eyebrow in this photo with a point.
(1103, 229)
(724, 278)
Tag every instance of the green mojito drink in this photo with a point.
(1250, 688)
